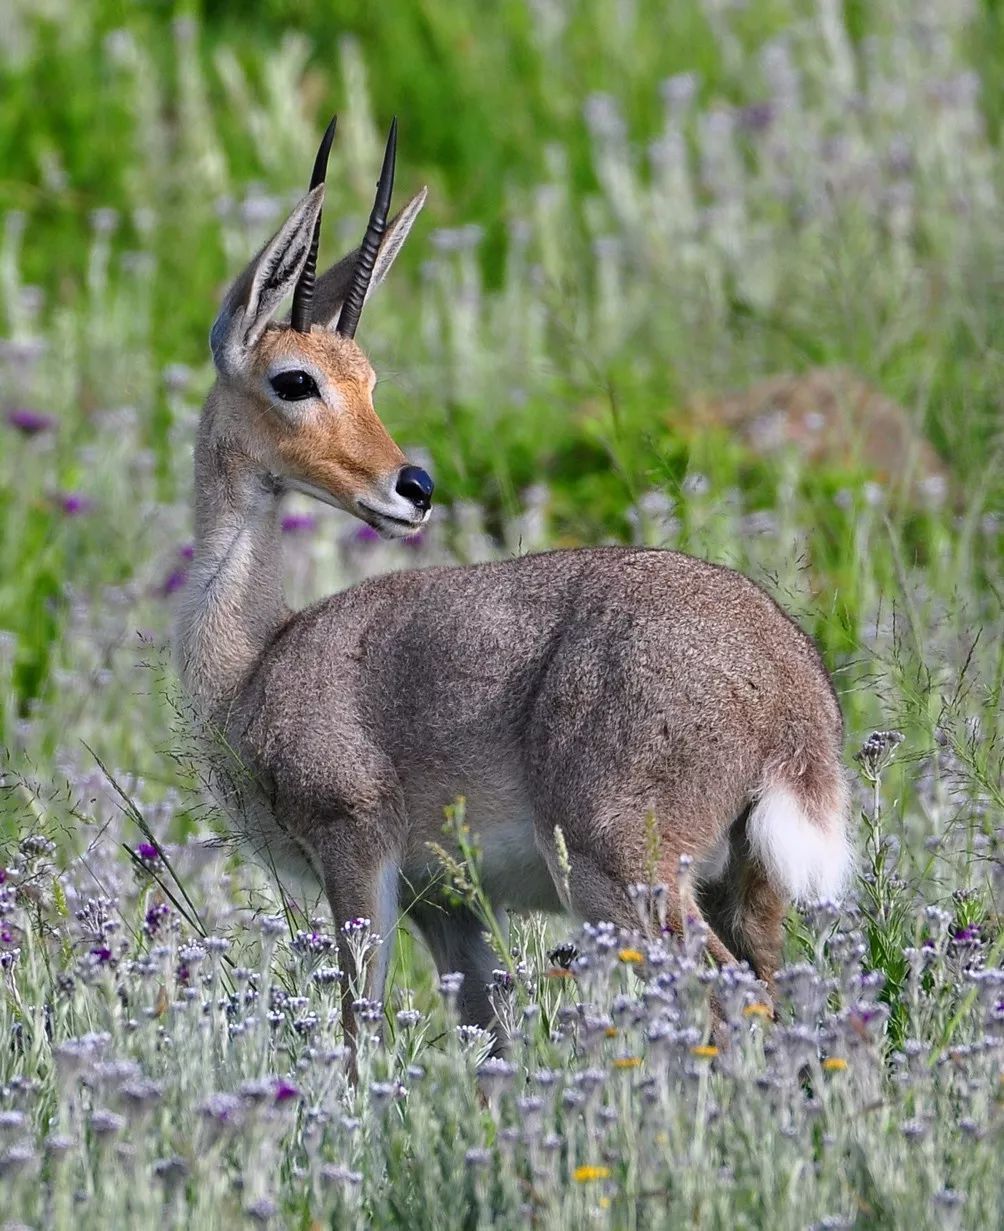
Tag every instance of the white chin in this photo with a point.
(388, 530)
(389, 525)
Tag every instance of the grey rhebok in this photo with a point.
(594, 691)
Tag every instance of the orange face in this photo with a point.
(315, 409)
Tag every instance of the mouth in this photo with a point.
(387, 524)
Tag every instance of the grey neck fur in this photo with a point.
(232, 606)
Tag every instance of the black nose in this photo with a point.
(415, 485)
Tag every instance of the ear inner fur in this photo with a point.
(257, 293)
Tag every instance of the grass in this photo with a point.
(600, 250)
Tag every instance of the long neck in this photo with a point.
(232, 606)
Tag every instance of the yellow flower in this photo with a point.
(588, 1172)
(611, 1032)
(630, 956)
(758, 1010)
(627, 1062)
(706, 1051)
(834, 1064)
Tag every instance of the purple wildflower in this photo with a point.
(30, 422)
(187, 551)
(299, 523)
(174, 581)
(73, 503)
(756, 117)
(148, 852)
(222, 1108)
(312, 942)
(101, 954)
(415, 541)
(154, 918)
(365, 534)
(284, 1092)
(502, 981)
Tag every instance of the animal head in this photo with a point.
(295, 397)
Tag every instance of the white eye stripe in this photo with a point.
(287, 369)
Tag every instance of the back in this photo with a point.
(442, 666)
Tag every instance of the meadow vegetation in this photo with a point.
(635, 207)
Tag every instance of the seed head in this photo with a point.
(563, 955)
(877, 752)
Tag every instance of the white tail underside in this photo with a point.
(806, 860)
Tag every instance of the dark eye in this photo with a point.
(293, 386)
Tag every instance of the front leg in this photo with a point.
(360, 878)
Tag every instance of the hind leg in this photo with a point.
(759, 922)
(684, 907)
(456, 939)
(602, 871)
(593, 893)
(748, 913)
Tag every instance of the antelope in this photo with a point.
(574, 698)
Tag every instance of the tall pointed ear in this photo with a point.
(252, 300)
(332, 285)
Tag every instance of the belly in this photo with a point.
(499, 813)
(510, 867)
(513, 871)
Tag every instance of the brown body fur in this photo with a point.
(589, 690)
(595, 691)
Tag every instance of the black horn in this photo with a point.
(356, 295)
(303, 294)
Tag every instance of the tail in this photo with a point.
(797, 828)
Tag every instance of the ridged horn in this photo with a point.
(355, 297)
(303, 294)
